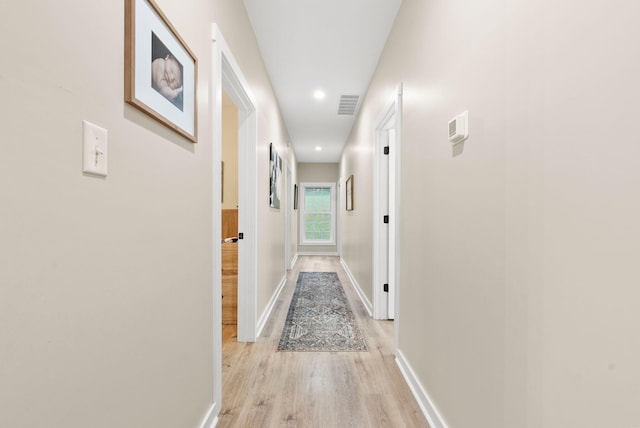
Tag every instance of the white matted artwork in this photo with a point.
(275, 166)
(160, 70)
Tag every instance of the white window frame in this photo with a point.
(332, 187)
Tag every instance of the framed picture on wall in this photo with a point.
(295, 196)
(275, 168)
(349, 193)
(160, 71)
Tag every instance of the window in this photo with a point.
(317, 216)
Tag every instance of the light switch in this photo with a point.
(459, 128)
(94, 151)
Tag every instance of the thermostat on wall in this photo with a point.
(459, 128)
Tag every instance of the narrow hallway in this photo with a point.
(266, 388)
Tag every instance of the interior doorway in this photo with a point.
(386, 193)
(229, 215)
(226, 75)
(231, 80)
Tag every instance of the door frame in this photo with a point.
(227, 75)
(390, 118)
(288, 205)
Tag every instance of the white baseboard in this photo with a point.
(293, 262)
(319, 253)
(267, 312)
(356, 286)
(211, 419)
(426, 403)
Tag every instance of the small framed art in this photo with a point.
(349, 193)
(275, 166)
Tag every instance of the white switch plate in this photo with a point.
(94, 149)
(459, 128)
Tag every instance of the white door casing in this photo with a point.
(288, 209)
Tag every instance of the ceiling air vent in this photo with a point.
(348, 104)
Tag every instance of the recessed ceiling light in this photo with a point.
(318, 148)
(319, 95)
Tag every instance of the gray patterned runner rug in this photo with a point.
(319, 317)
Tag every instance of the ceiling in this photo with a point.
(327, 45)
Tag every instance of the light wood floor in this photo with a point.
(266, 388)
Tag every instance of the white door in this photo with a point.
(383, 256)
(386, 222)
(386, 197)
(391, 236)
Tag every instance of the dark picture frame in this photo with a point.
(295, 196)
(349, 193)
(160, 71)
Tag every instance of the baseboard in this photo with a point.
(422, 397)
(267, 312)
(319, 253)
(293, 262)
(211, 419)
(356, 286)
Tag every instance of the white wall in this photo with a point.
(271, 221)
(518, 297)
(105, 284)
(356, 227)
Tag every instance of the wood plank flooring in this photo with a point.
(266, 388)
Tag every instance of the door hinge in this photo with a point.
(386, 150)
(386, 288)
(386, 219)
(240, 235)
